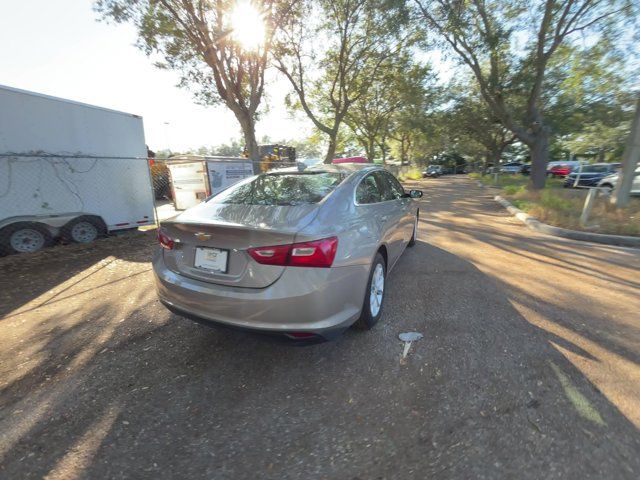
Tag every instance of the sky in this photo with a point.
(58, 48)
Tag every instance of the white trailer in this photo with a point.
(68, 170)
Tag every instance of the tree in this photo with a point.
(196, 38)
(508, 46)
(331, 51)
(591, 102)
(478, 132)
(393, 106)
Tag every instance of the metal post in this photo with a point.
(629, 162)
(576, 182)
(588, 205)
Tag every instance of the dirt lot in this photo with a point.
(530, 367)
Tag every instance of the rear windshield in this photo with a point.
(281, 189)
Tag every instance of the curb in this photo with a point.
(535, 224)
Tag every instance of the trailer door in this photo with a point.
(190, 185)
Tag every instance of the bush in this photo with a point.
(413, 174)
(514, 189)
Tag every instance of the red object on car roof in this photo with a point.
(350, 160)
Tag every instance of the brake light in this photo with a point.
(319, 253)
(165, 240)
(276, 255)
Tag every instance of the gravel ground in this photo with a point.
(529, 366)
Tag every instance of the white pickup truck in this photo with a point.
(68, 170)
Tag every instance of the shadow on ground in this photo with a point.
(118, 387)
(65, 266)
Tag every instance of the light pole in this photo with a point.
(167, 124)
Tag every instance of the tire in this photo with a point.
(84, 229)
(412, 242)
(369, 316)
(24, 237)
(609, 190)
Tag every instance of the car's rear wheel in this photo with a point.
(374, 295)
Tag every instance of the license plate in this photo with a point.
(212, 259)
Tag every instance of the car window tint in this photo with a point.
(394, 185)
(595, 168)
(385, 188)
(368, 191)
(281, 189)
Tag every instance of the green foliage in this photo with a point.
(562, 207)
(193, 38)
(331, 52)
(393, 110)
(511, 189)
(511, 47)
(413, 174)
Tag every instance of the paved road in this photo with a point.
(529, 367)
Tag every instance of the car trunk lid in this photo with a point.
(233, 228)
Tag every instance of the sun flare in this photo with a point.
(247, 25)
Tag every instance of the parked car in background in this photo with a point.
(561, 169)
(432, 171)
(511, 167)
(610, 182)
(300, 254)
(526, 169)
(590, 175)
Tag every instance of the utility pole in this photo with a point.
(629, 163)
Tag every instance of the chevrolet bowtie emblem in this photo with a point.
(203, 236)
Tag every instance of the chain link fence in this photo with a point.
(49, 199)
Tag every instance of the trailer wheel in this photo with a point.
(84, 229)
(24, 237)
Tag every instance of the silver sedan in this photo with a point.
(302, 254)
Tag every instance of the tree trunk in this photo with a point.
(370, 149)
(630, 160)
(248, 126)
(488, 160)
(539, 151)
(403, 153)
(331, 151)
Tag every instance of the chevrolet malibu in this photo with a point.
(302, 254)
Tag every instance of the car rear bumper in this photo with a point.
(322, 301)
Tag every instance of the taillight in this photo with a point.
(276, 255)
(164, 239)
(319, 253)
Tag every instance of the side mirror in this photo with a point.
(415, 193)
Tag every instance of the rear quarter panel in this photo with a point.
(358, 231)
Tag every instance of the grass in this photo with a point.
(510, 181)
(562, 207)
(413, 174)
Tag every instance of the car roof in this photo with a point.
(344, 167)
